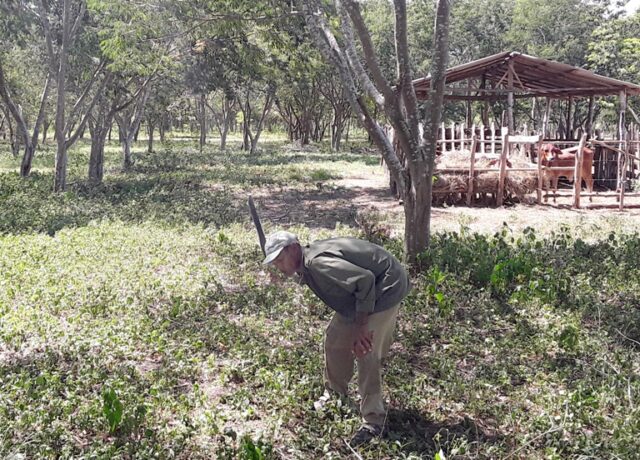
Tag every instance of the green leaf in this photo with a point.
(112, 409)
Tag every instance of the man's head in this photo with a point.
(283, 252)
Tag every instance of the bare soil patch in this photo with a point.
(325, 204)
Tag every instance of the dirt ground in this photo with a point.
(344, 201)
(372, 192)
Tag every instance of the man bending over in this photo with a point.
(364, 284)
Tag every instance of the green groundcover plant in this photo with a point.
(137, 322)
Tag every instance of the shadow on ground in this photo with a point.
(422, 436)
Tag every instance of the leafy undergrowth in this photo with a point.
(146, 327)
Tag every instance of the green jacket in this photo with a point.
(352, 275)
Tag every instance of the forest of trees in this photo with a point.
(72, 69)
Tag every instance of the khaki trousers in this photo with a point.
(339, 360)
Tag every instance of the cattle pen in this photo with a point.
(482, 163)
(485, 166)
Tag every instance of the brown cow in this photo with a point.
(552, 156)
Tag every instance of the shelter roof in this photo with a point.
(488, 78)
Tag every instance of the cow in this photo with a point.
(553, 157)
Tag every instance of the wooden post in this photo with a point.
(453, 136)
(534, 119)
(545, 120)
(463, 128)
(540, 171)
(590, 117)
(493, 137)
(473, 133)
(623, 176)
(469, 119)
(577, 173)
(503, 166)
(569, 130)
(482, 138)
(621, 137)
(443, 136)
(510, 97)
(472, 169)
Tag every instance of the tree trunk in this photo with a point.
(150, 129)
(4, 118)
(125, 141)
(422, 192)
(127, 162)
(60, 179)
(96, 158)
(162, 128)
(45, 129)
(27, 160)
(99, 132)
(336, 130)
(13, 141)
(338, 124)
(414, 171)
(30, 142)
(202, 108)
(128, 124)
(223, 134)
(265, 111)
(417, 212)
(246, 123)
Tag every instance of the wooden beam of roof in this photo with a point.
(536, 76)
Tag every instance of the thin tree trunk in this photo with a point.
(60, 179)
(162, 127)
(246, 124)
(265, 111)
(129, 124)
(150, 129)
(127, 162)
(30, 142)
(13, 140)
(45, 129)
(203, 121)
(223, 134)
(99, 132)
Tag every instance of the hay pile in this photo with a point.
(451, 187)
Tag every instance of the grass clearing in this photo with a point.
(137, 322)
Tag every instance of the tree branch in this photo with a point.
(13, 108)
(404, 69)
(83, 96)
(46, 26)
(328, 46)
(42, 109)
(76, 23)
(356, 65)
(72, 139)
(391, 106)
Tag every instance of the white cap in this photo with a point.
(275, 243)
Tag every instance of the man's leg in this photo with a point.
(369, 367)
(338, 358)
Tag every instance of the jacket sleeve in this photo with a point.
(358, 281)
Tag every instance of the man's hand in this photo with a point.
(362, 340)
